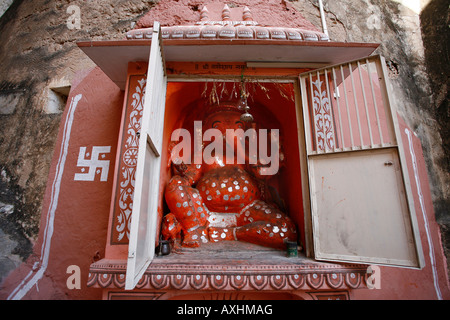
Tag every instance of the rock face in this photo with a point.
(40, 59)
(436, 39)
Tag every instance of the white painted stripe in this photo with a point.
(425, 219)
(26, 284)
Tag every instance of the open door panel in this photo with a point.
(145, 200)
(361, 203)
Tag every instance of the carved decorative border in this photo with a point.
(162, 276)
(128, 159)
(229, 30)
(323, 120)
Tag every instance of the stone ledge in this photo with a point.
(167, 274)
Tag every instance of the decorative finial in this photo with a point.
(246, 116)
(226, 13)
(204, 14)
(247, 14)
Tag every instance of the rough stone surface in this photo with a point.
(39, 52)
(435, 21)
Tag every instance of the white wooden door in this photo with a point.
(145, 200)
(361, 203)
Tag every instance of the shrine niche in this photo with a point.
(228, 196)
(272, 106)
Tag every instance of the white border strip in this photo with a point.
(425, 219)
(26, 284)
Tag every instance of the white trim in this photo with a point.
(21, 290)
(425, 219)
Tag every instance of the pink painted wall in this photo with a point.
(74, 216)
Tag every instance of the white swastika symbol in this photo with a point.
(94, 164)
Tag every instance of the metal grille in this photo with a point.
(347, 107)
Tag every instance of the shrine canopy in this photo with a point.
(217, 37)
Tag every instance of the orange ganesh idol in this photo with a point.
(220, 198)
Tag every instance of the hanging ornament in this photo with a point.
(246, 116)
(242, 103)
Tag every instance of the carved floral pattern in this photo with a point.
(128, 162)
(323, 121)
(204, 277)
